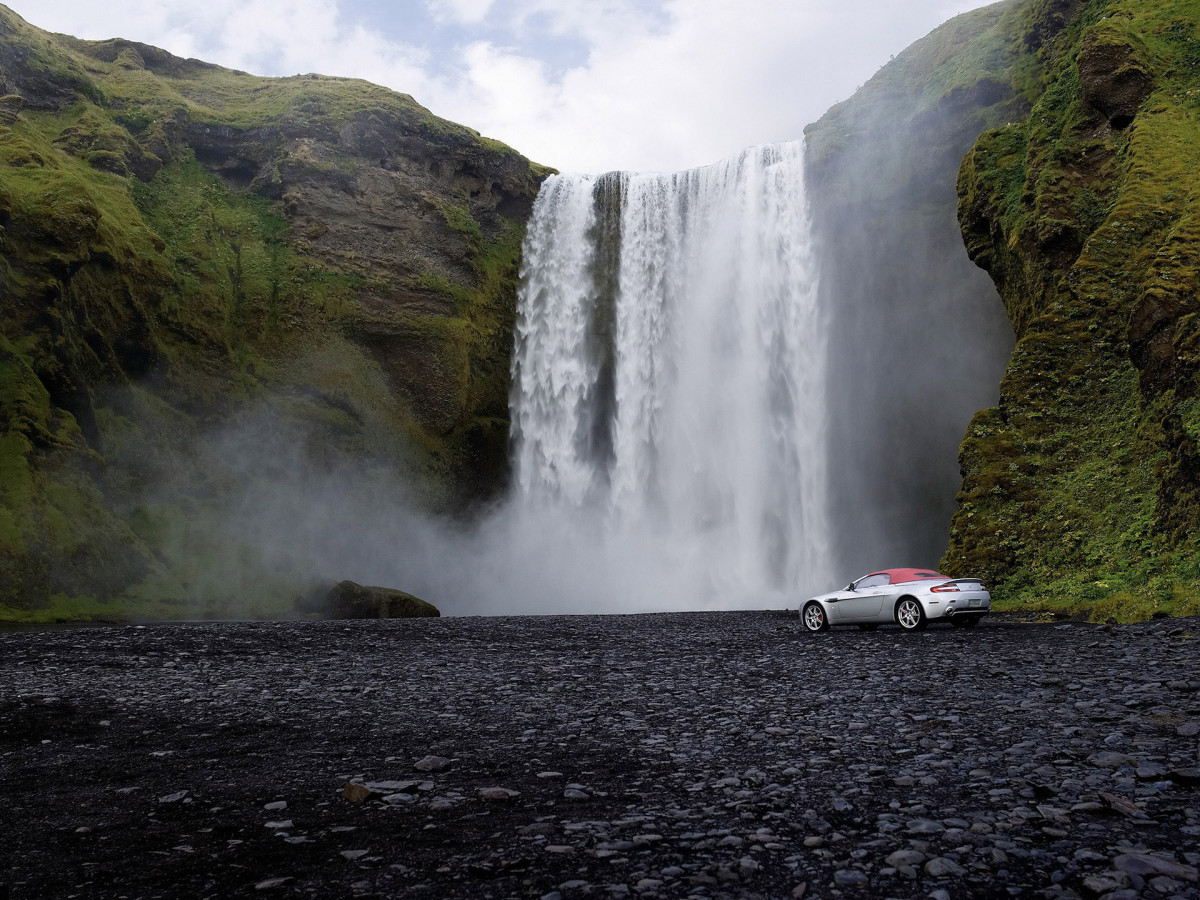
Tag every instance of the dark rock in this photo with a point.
(10, 107)
(849, 877)
(497, 793)
(1147, 865)
(271, 883)
(259, 712)
(1124, 806)
(1110, 759)
(903, 858)
(348, 600)
(1105, 882)
(940, 867)
(396, 787)
(1115, 81)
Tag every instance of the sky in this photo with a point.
(580, 85)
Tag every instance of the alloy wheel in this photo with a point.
(909, 615)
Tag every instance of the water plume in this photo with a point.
(669, 382)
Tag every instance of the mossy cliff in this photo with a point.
(182, 244)
(1082, 486)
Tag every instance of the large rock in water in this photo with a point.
(348, 600)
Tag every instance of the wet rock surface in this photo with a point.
(702, 754)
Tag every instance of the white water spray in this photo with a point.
(669, 386)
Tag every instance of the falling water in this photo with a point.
(669, 379)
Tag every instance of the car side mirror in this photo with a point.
(850, 586)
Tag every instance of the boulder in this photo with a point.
(1114, 80)
(348, 600)
(10, 107)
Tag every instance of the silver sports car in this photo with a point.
(912, 598)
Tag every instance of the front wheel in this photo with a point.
(910, 616)
(813, 616)
(965, 621)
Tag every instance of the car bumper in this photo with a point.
(966, 604)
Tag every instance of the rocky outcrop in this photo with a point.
(1113, 79)
(191, 244)
(1083, 483)
(10, 107)
(348, 600)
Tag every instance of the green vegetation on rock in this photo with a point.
(183, 247)
(1080, 488)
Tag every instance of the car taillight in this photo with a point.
(948, 588)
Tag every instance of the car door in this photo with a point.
(864, 600)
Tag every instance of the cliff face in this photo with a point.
(918, 336)
(1081, 486)
(182, 244)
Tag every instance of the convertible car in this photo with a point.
(912, 598)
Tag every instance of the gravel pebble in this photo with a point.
(725, 754)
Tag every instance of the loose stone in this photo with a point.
(849, 877)
(432, 764)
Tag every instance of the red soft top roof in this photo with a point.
(899, 576)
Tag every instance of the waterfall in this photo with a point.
(669, 377)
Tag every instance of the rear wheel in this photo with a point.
(965, 621)
(909, 615)
(813, 616)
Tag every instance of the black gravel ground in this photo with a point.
(705, 754)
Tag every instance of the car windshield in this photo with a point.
(870, 581)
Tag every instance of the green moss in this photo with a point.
(45, 60)
(233, 271)
(460, 220)
(61, 608)
(477, 345)
(25, 407)
(1080, 490)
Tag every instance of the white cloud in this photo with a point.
(593, 21)
(467, 12)
(662, 85)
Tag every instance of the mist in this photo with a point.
(668, 428)
(267, 512)
(733, 387)
(672, 450)
(918, 338)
